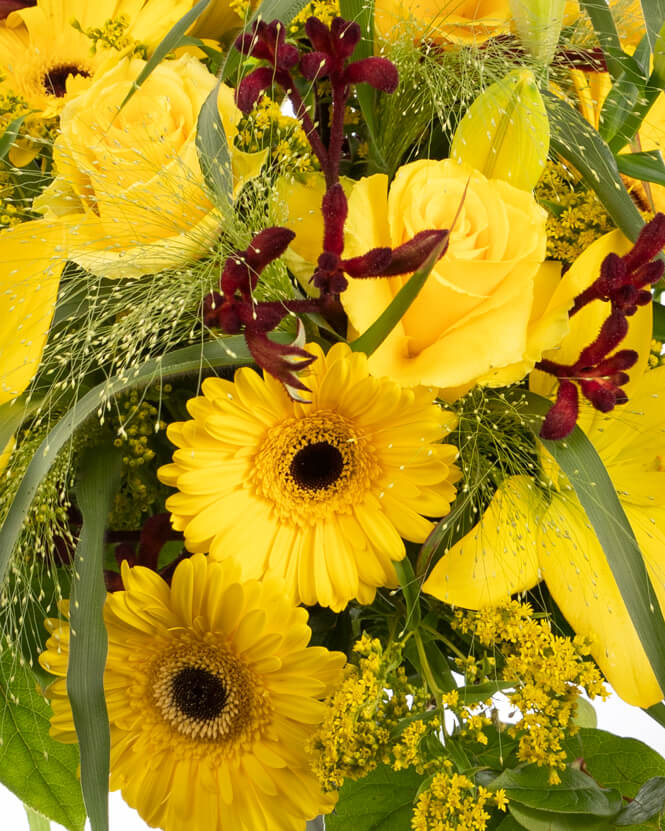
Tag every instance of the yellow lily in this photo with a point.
(531, 533)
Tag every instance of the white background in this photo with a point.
(613, 715)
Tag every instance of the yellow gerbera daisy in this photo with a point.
(47, 59)
(212, 694)
(320, 493)
(528, 534)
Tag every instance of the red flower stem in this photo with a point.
(339, 98)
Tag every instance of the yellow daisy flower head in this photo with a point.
(321, 493)
(212, 694)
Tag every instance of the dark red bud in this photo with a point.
(280, 360)
(211, 305)
(319, 35)
(315, 65)
(562, 417)
(251, 87)
(268, 245)
(372, 264)
(345, 36)
(623, 359)
(602, 394)
(410, 256)
(612, 332)
(649, 243)
(8, 6)
(379, 73)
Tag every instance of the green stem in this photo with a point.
(426, 669)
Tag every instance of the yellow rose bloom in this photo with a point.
(129, 186)
(455, 22)
(222, 17)
(486, 311)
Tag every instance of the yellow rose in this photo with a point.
(458, 22)
(488, 309)
(221, 18)
(129, 187)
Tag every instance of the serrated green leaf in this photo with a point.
(575, 140)
(536, 820)
(9, 136)
(39, 770)
(213, 150)
(647, 166)
(36, 821)
(190, 359)
(578, 459)
(171, 41)
(577, 793)
(648, 802)
(98, 481)
(381, 801)
(658, 321)
(371, 339)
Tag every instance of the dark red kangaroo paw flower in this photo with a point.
(562, 417)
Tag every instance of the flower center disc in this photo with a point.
(198, 693)
(55, 80)
(317, 466)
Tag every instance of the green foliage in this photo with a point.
(39, 770)
(213, 150)
(381, 801)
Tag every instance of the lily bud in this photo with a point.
(538, 23)
(505, 134)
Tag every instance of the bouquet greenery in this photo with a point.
(331, 412)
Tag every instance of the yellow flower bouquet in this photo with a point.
(332, 437)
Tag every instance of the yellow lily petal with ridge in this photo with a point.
(32, 262)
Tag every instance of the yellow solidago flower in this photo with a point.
(528, 534)
(212, 694)
(48, 59)
(320, 493)
(452, 801)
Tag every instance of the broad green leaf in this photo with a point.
(9, 136)
(585, 714)
(475, 693)
(617, 60)
(190, 359)
(98, 480)
(509, 823)
(647, 166)
(636, 116)
(575, 140)
(213, 150)
(410, 590)
(534, 819)
(457, 522)
(617, 106)
(577, 793)
(648, 803)
(615, 762)
(578, 459)
(36, 821)
(654, 16)
(658, 321)
(371, 339)
(381, 801)
(38, 769)
(171, 40)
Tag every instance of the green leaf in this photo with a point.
(371, 339)
(577, 793)
(537, 820)
(648, 802)
(658, 321)
(619, 103)
(586, 715)
(476, 693)
(617, 60)
(457, 522)
(171, 41)
(509, 823)
(9, 136)
(615, 762)
(411, 591)
(213, 149)
(578, 459)
(647, 166)
(98, 480)
(188, 360)
(575, 140)
(36, 821)
(38, 769)
(381, 801)
(654, 15)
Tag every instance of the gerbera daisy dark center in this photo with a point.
(55, 80)
(317, 466)
(198, 693)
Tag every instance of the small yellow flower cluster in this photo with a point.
(112, 34)
(407, 753)
(266, 126)
(140, 491)
(34, 132)
(325, 10)
(549, 672)
(471, 718)
(361, 714)
(576, 216)
(452, 801)
(656, 356)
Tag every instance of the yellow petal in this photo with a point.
(496, 558)
(32, 262)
